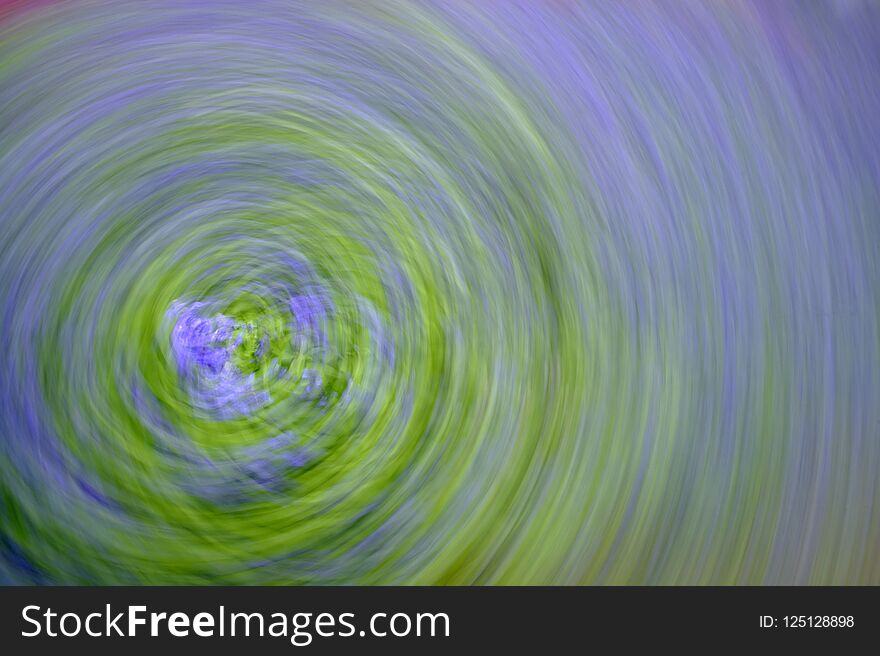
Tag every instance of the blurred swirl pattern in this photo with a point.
(439, 292)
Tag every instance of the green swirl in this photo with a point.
(425, 293)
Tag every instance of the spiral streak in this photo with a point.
(439, 292)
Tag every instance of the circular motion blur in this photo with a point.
(439, 292)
